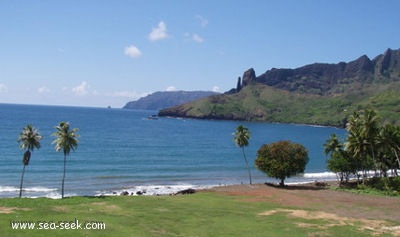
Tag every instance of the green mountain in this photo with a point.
(322, 94)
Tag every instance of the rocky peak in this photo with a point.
(387, 64)
(359, 67)
(249, 77)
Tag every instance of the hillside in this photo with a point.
(165, 99)
(323, 94)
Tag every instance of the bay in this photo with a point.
(123, 150)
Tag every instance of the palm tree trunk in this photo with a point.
(374, 161)
(397, 157)
(63, 178)
(22, 181)
(247, 164)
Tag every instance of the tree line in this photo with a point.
(279, 160)
(369, 145)
(65, 140)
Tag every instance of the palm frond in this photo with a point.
(66, 138)
(29, 138)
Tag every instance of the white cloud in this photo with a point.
(81, 89)
(171, 88)
(216, 89)
(159, 32)
(194, 37)
(43, 90)
(203, 20)
(3, 87)
(197, 38)
(132, 51)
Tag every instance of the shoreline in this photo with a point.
(170, 190)
(314, 181)
(184, 189)
(155, 188)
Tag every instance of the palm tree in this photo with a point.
(371, 132)
(28, 140)
(389, 140)
(356, 143)
(332, 144)
(340, 161)
(66, 140)
(242, 136)
(363, 128)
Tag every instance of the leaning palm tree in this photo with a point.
(28, 140)
(332, 145)
(242, 136)
(66, 140)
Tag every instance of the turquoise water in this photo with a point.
(124, 150)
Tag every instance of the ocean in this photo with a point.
(124, 150)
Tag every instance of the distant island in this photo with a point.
(319, 93)
(165, 99)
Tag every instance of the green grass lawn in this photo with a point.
(200, 214)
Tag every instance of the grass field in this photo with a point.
(205, 213)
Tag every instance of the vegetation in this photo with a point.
(242, 136)
(370, 145)
(260, 102)
(66, 140)
(201, 214)
(374, 186)
(340, 161)
(282, 159)
(28, 140)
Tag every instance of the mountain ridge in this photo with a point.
(163, 99)
(323, 78)
(305, 94)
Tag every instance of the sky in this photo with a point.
(99, 53)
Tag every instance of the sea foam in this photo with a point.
(152, 190)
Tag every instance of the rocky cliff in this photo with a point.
(318, 93)
(325, 79)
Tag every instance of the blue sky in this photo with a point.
(101, 53)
